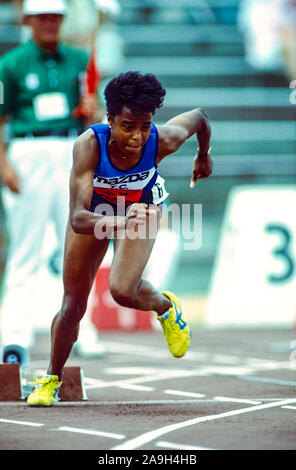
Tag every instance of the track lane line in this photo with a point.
(149, 436)
(91, 432)
(137, 388)
(88, 403)
(238, 400)
(184, 394)
(22, 423)
(173, 445)
(267, 380)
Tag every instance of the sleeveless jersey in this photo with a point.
(116, 187)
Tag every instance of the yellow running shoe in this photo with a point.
(46, 391)
(176, 330)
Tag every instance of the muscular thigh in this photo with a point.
(82, 258)
(130, 259)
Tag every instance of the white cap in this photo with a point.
(39, 7)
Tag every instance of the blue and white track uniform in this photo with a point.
(121, 188)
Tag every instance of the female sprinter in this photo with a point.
(115, 189)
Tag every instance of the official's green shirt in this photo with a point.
(41, 90)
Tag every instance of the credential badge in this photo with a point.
(32, 81)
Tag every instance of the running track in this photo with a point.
(234, 390)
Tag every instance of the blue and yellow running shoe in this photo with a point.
(176, 330)
(46, 391)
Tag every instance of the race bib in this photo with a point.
(158, 191)
(51, 106)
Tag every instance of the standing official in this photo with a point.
(42, 90)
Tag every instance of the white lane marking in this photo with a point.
(91, 432)
(161, 374)
(134, 402)
(185, 394)
(267, 380)
(22, 423)
(136, 350)
(238, 400)
(90, 383)
(262, 364)
(157, 374)
(201, 356)
(149, 436)
(226, 359)
(139, 388)
(145, 370)
(289, 407)
(173, 445)
(150, 351)
(107, 403)
(229, 370)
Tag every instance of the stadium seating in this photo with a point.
(196, 50)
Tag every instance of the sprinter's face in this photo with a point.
(130, 132)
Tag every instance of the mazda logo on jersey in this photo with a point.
(133, 182)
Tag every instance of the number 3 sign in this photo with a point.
(254, 274)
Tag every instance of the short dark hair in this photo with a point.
(140, 93)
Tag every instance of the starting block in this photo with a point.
(16, 388)
(73, 388)
(11, 386)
